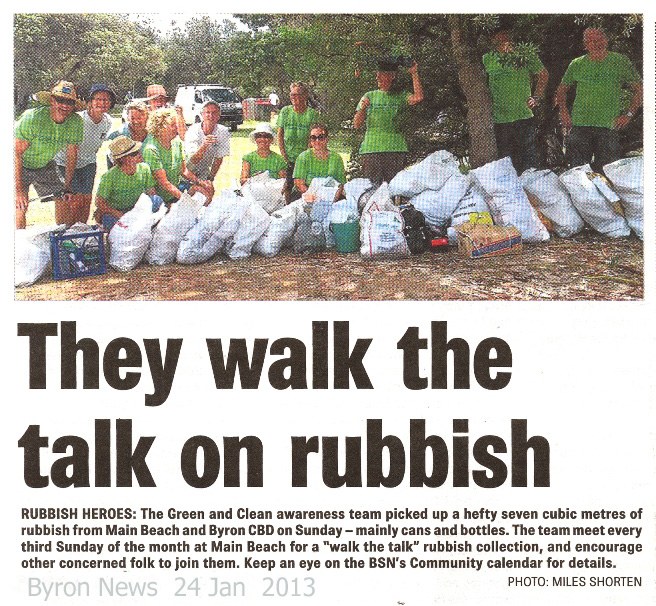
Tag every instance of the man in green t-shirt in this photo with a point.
(513, 101)
(294, 122)
(39, 134)
(597, 117)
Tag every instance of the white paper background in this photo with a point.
(582, 375)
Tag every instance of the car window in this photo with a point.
(221, 95)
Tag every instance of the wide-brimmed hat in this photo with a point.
(102, 88)
(63, 90)
(123, 146)
(263, 127)
(154, 91)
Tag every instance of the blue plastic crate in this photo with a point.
(77, 255)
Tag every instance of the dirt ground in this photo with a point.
(586, 267)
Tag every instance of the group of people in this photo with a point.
(592, 129)
(155, 152)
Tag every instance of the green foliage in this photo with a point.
(82, 48)
(520, 56)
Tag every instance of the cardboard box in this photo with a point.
(477, 240)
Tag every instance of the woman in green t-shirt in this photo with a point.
(262, 158)
(120, 187)
(163, 151)
(384, 149)
(318, 161)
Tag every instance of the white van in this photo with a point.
(191, 96)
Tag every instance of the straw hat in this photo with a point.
(262, 127)
(123, 146)
(63, 90)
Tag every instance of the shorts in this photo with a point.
(382, 166)
(83, 178)
(45, 181)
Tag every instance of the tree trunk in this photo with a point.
(473, 81)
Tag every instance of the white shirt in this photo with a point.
(94, 136)
(274, 99)
(194, 139)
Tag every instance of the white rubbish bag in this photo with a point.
(172, 228)
(32, 253)
(266, 191)
(215, 225)
(553, 200)
(627, 176)
(439, 206)
(355, 188)
(131, 235)
(507, 200)
(431, 173)
(281, 230)
(382, 235)
(597, 211)
(254, 222)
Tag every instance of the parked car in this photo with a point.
(191, 96)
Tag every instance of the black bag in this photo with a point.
(418, 235)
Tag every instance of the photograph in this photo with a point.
(300, 157)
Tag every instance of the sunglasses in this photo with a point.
(318, 137)
(63, 101)
(263, 136)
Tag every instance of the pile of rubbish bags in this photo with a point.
(255, 219)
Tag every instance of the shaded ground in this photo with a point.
(586, 267)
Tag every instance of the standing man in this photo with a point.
(97, 124)
(207, 142)
(294, 122)
(513, 101)
(597, 116)
(274, 101)
(157, 98)
(39, 134)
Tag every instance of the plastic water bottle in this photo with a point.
(157, 202)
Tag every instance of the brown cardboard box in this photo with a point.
(478, 240)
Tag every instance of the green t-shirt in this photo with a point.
(382, 134)
(296, 129)
(510, 88)
(122, 191)
(45, 136)
(274, 163)
(598, 88)
(309, 166)
(158, 157)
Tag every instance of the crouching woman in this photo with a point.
(163, 151)
(120, 187)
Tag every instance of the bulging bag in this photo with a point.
(216, 223)
(439, 206)
(280, 231)
(627, 176)
(172, 229)
(553, 201)
(473, 202)
(597, 211)
(381, 235)
(130, 237)
(254, 222)
(507, 200)
(32, 253)
(266, 191)
(431, 173)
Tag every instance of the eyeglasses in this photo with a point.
(262, 136)
(318, 137)
(64, 101)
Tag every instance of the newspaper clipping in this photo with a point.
(411, 364)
